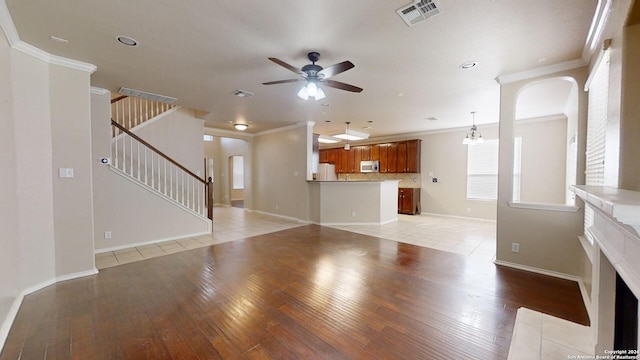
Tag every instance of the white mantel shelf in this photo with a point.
(622, 205)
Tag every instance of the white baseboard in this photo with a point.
(13, 311)
(280, 216)
(457, 217)
(583, 289)
(143, 243)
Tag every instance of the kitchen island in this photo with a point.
(354, 202)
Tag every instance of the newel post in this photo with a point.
(210, 198)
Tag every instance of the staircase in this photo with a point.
(134, 157)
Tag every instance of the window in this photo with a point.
(238, 172)
(517, 167)
(482, 170)
(596, 133)
(208, 137)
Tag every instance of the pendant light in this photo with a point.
(347, 146)
(473, 135)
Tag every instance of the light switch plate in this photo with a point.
(66, 172)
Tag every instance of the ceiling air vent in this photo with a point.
(418, 11)
(147, 95)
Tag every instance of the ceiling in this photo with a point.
(202, 51)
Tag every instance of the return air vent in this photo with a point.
(418, 11)
(147, 95)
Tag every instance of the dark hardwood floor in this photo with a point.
(306, 293)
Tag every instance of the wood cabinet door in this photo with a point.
(392, 157)
(332, 156)
(323, 156)
(402, 157)
(342, 161)
(413, 156)
(375, 152)
(357, 157)
(408, 201)
(365, 152)
(384, 160)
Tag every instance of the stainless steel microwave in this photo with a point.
(370, 166)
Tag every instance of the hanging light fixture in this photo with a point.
(473, 135)
(347, 146)
(311, 90)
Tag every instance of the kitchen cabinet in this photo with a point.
(394, 157)
(388, 157)
(409, 156)
(323, 156)
(365, 151)
(409, 201)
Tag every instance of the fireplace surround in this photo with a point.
(615, 256)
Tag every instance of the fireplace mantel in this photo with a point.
(622, 205)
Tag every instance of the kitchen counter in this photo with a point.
(354, 201)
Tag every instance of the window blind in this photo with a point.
(482, 170)
(596, 133)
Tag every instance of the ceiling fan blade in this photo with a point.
(341, 85)
(287, 66)
(335, 69)
(281, 81)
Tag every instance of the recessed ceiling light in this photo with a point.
(327, 121)
(468, 65)
(324, 104)
(58, 39)
(127, 40)
(369, 121)
(432, 118)
(242, 93)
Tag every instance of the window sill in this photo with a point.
(539, 206)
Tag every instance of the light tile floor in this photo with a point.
(474, 238)
(538, 336)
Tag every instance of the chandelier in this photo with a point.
(473, 135)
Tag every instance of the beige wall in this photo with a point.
(544, 148)
(220, 149)
(630, 119)
(10, 285)
(279, 169)
(179, 136)
(70, 105)
(548, 239)
(445, 156)
(133, 214)
(45, 116)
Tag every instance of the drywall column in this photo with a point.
(70, 111)
(548, 239)
(630, 117)
(10, 240)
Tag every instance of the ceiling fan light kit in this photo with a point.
(315, 75)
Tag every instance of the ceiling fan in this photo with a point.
(314, 75)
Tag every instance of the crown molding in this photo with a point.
(11, 33)
(541, 71)
(99, 91)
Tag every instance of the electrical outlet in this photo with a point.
(435, 180)
(515, 247)
(107, 234)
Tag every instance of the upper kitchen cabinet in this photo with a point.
(409, 156)
(394, 157)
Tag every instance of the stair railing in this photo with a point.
(130, 112)
(142, 161)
